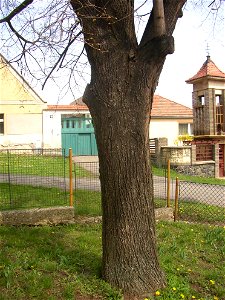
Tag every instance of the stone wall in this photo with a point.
(164, 214)
(176, 155)
(204, 169)
(161, 214)
(38, 216)
(62, 215)
(183, 160)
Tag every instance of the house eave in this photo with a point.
(172, 117)
(21, 79)
(195, 80)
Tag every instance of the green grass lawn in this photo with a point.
(47, 165)
(196, 211)
(40, 165)
(193, 259)
(64, 262)
(173, 174)
(52, 165)
(89, 202)
(27, 196)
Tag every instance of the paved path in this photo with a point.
(36, 180)
(189, 191)
(204, 193)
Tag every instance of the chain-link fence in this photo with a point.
(88, 191)
(40, 178)
(197, 202)
(200, 202)
(33, 178)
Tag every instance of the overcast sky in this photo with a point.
(196, 35)
(192, 35)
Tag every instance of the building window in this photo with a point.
(219, 114)
(185, 129)
(191, 129)
(1, 123)
(204, 152)
(201, 100)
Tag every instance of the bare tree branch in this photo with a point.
(19, 36)
(16, 11)
(61, 57)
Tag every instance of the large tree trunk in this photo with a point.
(124, 75)
(120, 103)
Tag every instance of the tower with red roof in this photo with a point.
(208, 99)
(208, 102)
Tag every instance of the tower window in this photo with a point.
(1, 123)
(219, 114)
(201, 100)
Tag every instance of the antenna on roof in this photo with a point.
(207, 50)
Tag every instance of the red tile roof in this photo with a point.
(67, 107)
(161, 108)
(165, 108)
(78, 101)
(208, 69)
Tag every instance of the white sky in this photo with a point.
(192, 35)
(191, 38)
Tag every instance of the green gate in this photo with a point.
(78, 134)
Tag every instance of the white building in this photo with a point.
(170, 120)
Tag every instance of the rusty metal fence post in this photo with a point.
(71, 175)
(168, 183)
(176, 200)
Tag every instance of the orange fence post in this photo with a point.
(168, 183)
(71, 176)
(176, 200)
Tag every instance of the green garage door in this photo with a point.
(78, 134)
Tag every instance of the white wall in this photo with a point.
(22, 131)
(52, 127)
(21, 141)
(51, 131)
(167, 128)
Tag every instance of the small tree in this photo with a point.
(124, 75)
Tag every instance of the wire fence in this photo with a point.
(87, 193)
(200, 202)
(197, 202)
(40, 178)
(33, 178)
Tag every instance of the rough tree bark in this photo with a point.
(124, 76)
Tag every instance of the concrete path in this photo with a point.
(89, 163)
(204, 193)
(189, 191)
(61, 183)
(85, 159)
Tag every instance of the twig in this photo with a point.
(16, 11)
